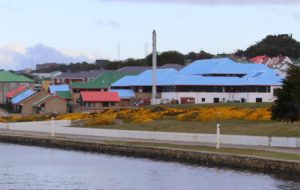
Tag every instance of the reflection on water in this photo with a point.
(25, 167)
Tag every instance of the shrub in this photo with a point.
(188, 116)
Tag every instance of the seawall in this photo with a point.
(282, 167)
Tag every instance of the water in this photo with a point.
(26, 167)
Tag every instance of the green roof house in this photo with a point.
(103, 81)
(10, 81)
(100, 83)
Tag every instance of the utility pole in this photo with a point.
(154, 69)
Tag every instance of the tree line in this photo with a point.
(271, 45)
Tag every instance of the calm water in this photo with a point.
(25, 167)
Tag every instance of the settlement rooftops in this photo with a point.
(24, 95)
(57, 88)
(207, 72)
(6, 76)
(16, 91)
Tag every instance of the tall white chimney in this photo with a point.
(154, 69)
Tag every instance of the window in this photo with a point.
(202, 99)
(243, 100)
(105, 104)
(259, 99)
(216, 100)
(112, 103)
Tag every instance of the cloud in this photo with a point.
(17, 56)
(215, 2)
(108, 23)
(7, 6)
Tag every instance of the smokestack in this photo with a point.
(154, 69)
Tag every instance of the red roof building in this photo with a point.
(16, 91)
(90, 96)
(93, 101)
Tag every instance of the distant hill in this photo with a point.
(273, 45)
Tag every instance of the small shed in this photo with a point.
(127, 97)
(50, 104)
(16, 101)
(27, 107)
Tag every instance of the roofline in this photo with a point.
(24, 101)
(17, 82)
(70, 77)
(205, 85)
(51, 97)
(228, 85)
(55, 97)
(85, 88)
(103, 101)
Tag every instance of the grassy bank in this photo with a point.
(233, 151)
(234, 127)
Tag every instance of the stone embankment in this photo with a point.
(291, 168)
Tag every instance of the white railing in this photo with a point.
(61, 127)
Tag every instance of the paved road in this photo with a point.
(105, 139)
(3, 113)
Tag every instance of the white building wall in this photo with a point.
(223, 97)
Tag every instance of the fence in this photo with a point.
(60, 127)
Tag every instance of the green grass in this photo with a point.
(233, 151)
(234, 127)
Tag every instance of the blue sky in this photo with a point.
(37, 31)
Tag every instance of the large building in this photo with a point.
(208, 81)
(10, 81)
(84, 76)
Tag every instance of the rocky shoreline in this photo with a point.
(257, 164)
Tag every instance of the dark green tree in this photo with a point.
(287, 105)
(275, 45)
(191, 56)
(204, 55)
(166, 58)
(173, 57)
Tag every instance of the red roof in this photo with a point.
(90, 96)
(16, 91)
(258, 59)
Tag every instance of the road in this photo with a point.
(3, 113)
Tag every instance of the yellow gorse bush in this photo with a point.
(74, 116)
(102, 119)
(144, 115)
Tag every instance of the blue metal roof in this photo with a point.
(164, 77)
(24, 95)
(194, 74)
(124, 93)
(124, 81)
(59, 88)
(221, 66)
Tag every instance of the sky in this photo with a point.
(63, 31)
